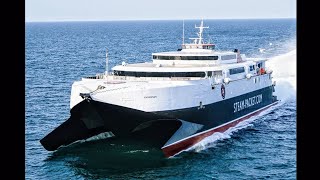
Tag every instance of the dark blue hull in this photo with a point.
(90, 118)
(222, 112)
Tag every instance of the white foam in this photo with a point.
(100, 136)
(284, 73)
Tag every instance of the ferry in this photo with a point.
(173, 102)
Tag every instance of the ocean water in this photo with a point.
(59, 53)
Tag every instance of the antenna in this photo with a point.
(107, 62)
(201, 27)
(183, 32)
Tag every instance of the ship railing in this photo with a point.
(227, 80)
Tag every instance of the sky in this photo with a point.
(112, 10)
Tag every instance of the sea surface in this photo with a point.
(59, 53)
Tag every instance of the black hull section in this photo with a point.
(82, 124)
(68, 132)
(216, 114)
(121, 120)
(90, 118)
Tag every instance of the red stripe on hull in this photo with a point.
(185, 144)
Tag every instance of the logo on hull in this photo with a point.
(246, 103)
(223, 91)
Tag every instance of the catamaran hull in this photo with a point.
(173, 131)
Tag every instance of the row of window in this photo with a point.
(176, 74)
(159, 74)
(198, 46)
(226, 57)
(186, 57)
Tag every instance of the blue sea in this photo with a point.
(59, 53)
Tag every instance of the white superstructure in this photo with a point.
(177, 79)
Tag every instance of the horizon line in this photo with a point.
(112, 20)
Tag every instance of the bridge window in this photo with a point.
(185, 57)
(236, 70)
(208, 47)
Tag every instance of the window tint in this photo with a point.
(185, 57)
(159, 74)
(236, 70)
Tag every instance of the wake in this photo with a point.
(284, 73)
